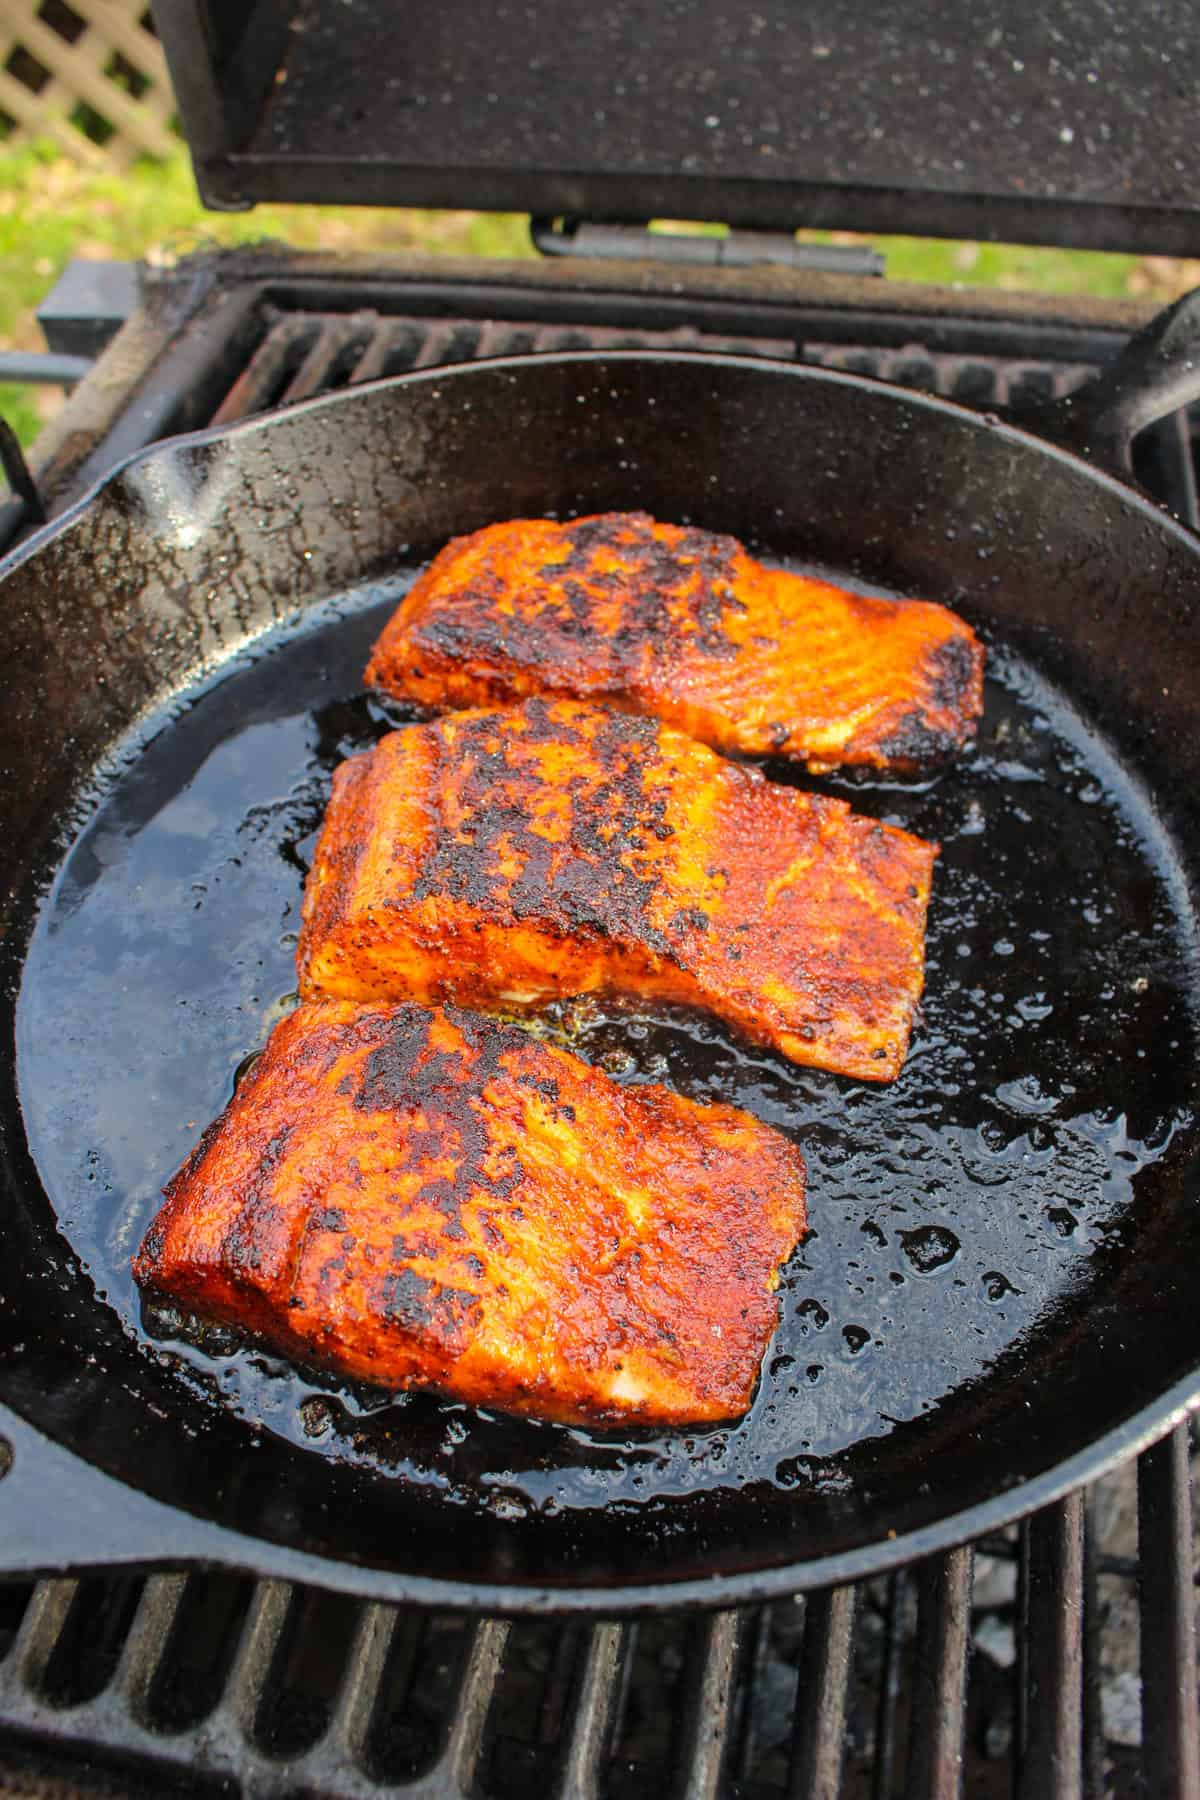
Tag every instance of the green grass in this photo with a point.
(1017, 266)
(52, 210)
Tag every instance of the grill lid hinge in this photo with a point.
(736, 249)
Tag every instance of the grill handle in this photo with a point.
(1157, 373)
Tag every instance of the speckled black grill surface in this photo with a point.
(1073, 124)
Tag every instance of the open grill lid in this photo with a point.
(1073, 124)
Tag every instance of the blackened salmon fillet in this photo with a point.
(502, 858)
(432, 1198)
(684, 625)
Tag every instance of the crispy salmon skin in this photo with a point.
(502, 858)
(427, 1198)
(685, 626)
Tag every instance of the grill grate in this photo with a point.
(878, 1692)
(992, 1668)
(305, 353)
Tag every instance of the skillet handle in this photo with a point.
(59, 1515)
(1156, 373)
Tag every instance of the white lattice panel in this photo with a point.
(89, 74)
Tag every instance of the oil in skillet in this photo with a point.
(981, 1197)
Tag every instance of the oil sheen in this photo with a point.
(967, 1209)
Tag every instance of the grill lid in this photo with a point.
(1072, 124)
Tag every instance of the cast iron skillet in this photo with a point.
(998, 1301)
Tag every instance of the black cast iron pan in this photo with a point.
(998, 1298)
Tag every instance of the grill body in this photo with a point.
(997, 1666)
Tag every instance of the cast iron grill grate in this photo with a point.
(1012, 1665)
(889, 1689)
(301, 353)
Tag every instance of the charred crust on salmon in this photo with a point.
(682, 624)
(516, 1241)
(559, 847)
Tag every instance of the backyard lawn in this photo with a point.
(51, 210)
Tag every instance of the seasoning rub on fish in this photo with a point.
(501, 858)
(685, 626)
(417, 1197)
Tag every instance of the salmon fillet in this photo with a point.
(500, 859)
(426, 1198)
(683, 625)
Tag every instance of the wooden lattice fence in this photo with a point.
(89, 74)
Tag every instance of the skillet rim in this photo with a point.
(219, 1546)
(212, 1542)
(1123, 486)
